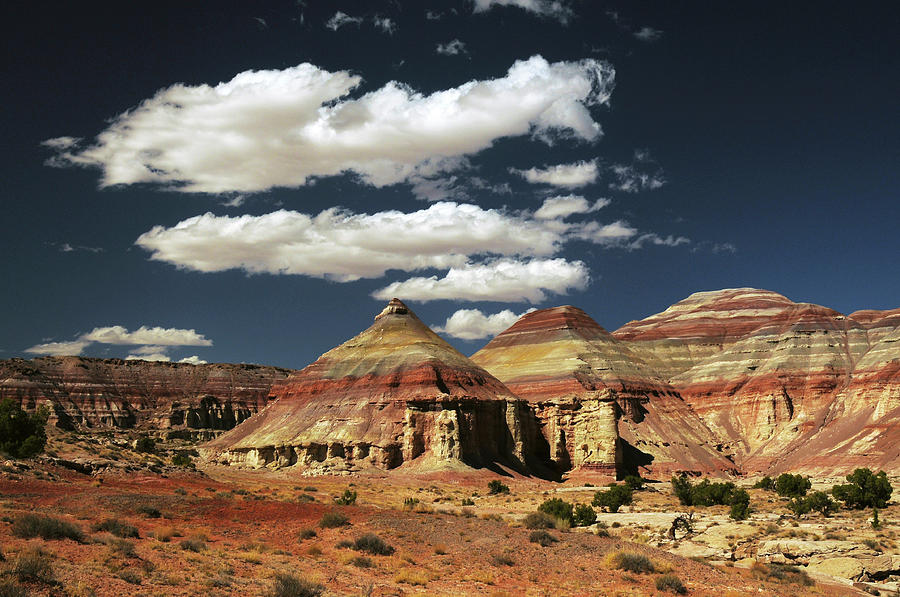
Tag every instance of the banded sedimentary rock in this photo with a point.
(600, 405)
(396, 394)
(86, 392)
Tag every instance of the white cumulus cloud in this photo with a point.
(546, 8)
(280, 128)
(572, 176)
(504, 280)
(156, 336)
(192, 360)
(563, 206)
(73, 348)
(472, 324)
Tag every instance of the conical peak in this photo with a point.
(555, 318)
(395, 307)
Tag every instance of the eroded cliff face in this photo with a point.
(600, 405)
(115, 393)
(782, 385)
(395, 395)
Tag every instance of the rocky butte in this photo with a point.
(396, 395)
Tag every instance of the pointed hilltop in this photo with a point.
(600, 405)
(396, 394)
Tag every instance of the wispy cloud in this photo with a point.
(571, 176)
(340, 19)
(155, 341)
(284, 127)
(474, 324)
(555, 9)
(67, 248)
(564, 206)
(451, 48)
(384, 24)
(641, 175)
(648, 34)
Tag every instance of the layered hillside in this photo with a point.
(600, 404)
(784, 385)
(396, 394)
(117, 393)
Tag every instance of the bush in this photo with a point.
(613, 498)
(116, 527)
(496, 486)
(502, 559)
(348, 498)
(305, 534)
(182, 459)
(634, 482)
(792, 486)
(287, 585)
(865, 490)
(542, 538)
(681, 487)
(372, 544)
(28, 526)
(410, 503)
(130, 576)
(782, 573)
(876, 524)
(195, 545)
(798, 506)
(820, 502)
(631, 562)
(332, 520)
(10, 588)
(145, 444)
(538, 520)
(467, 502)
(740, 505)
(121, 547)
(33, 565)
(584, 516)
(557, 508)
(360, 562)
(765, 483)
(22, 434)
(670, 582)
(149, 511)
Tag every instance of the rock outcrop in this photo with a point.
(782, 385)
(115, 393)
(395, 395)
(600, 405)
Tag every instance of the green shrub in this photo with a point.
(372, 544)
(467, 502)
(613, 498)
(121, 547)
(149, 511)
(864, 490)
(22, 434)
(681, 487)
(766, 483)
(542, 538)
(410, 503)
(670, 582)
(332, 520)
(820, 502)
(496, 486)
(634, 482)
(538, 520)
(182, 459)
(287, 585)
(145, 444)
(792, 486)
(33, 565)
(798, 506)
(632, 562)
(740, 505)
(557, 508)
(348, 498)
(706, 493)
(584, 516)
(116, 527)
(876, 524)
(28, 526)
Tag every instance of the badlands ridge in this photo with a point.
(731, 381)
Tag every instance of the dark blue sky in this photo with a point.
(774, 128)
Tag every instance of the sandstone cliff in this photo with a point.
(600, 405)
(117, 393)
(396, 394)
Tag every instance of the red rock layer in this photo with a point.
(117, 393)
(783, 385)
(557, 358)
(395, 394)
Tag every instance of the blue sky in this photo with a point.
(251, 182)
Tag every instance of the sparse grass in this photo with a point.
(372, 544)
(166, 533)
(121, 547)
(287, 585)
(630, 561)
(194, 544)
(333, 520)
(781, 573)
(502, 559)
(670, 582)
(28, 526)
(116, 527)
(10, 588)
(149, 511)
(305, 534)
(542, 538)
(360, 562)
(411, 577)
(33, 565)
(130, 576)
